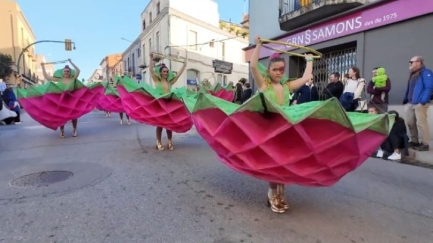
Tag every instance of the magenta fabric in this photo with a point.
(314, 152)
(110, 103)
(224, 94)
(53, 110)
(168, 114)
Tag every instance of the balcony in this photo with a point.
(294, 14)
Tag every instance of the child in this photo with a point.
(379, 81)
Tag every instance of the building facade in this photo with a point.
(110, 66)
(192, 28)
(49, 68)
(96, 76)
(362, 33)
(131, 58)
(16, 34)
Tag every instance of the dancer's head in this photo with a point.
(66, 72)
(163, 70)
(276, 67)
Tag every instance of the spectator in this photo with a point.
(11, 101)
(306, 93)
(378, 88)
(247, 92)
(397, 140)
(417, 101)
(352, 98)
(334, 88)
(239, 90)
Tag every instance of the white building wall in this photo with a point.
(205, 11)
(132, 59)
(170, 31)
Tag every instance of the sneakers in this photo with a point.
(379, 153)
(395, 156)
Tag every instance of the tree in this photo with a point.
(5, 66)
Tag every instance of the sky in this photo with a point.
(96, 27)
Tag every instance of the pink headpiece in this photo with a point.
(275, 55)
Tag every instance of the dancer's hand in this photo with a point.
(309, 57)
(257, 40)
(151, 54)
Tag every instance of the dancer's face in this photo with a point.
(276, 71)
(164, 73)
(66, 72)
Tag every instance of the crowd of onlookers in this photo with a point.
(10, 110)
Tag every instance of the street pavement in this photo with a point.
(123, 190)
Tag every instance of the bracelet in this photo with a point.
(309, 59)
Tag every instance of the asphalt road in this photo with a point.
(123, 190)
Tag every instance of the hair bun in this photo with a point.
(67, 66)
(163, 65)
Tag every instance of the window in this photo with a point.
(192, 40)
(144, 53)
(133, 64)
(192, 77)
(223, 51)
(150, 17)
(158, 8)
(143, 77)
(157, 41)
(150, 45)
(138, 52)
(220, 79)
(22, 37)
(144, 24)
(128, 67)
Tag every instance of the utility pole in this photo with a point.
(68, 45)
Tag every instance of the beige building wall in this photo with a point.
(108, 65)
(48, 67)
(16, 34)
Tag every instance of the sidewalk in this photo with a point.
(417, 158)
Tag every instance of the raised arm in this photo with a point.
(46, 76)
(151, 67)
(257, 76)
(307, 76)
(77, 70)
(179, 73)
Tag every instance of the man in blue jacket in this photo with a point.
(417, 101)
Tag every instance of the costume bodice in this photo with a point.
(160, 88)
(273, 95)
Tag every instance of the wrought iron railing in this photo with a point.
(333, 61)
(288, 6)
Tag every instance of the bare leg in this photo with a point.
(127, 119)
(62, 131)
(280, 194)
(158, 139)
(169, 137)
(273, 199)
(74, 127)
(121, 118)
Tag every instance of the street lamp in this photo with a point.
(69, 45)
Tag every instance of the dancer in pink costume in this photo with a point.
(68, 77)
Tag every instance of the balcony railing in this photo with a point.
(297, 13)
